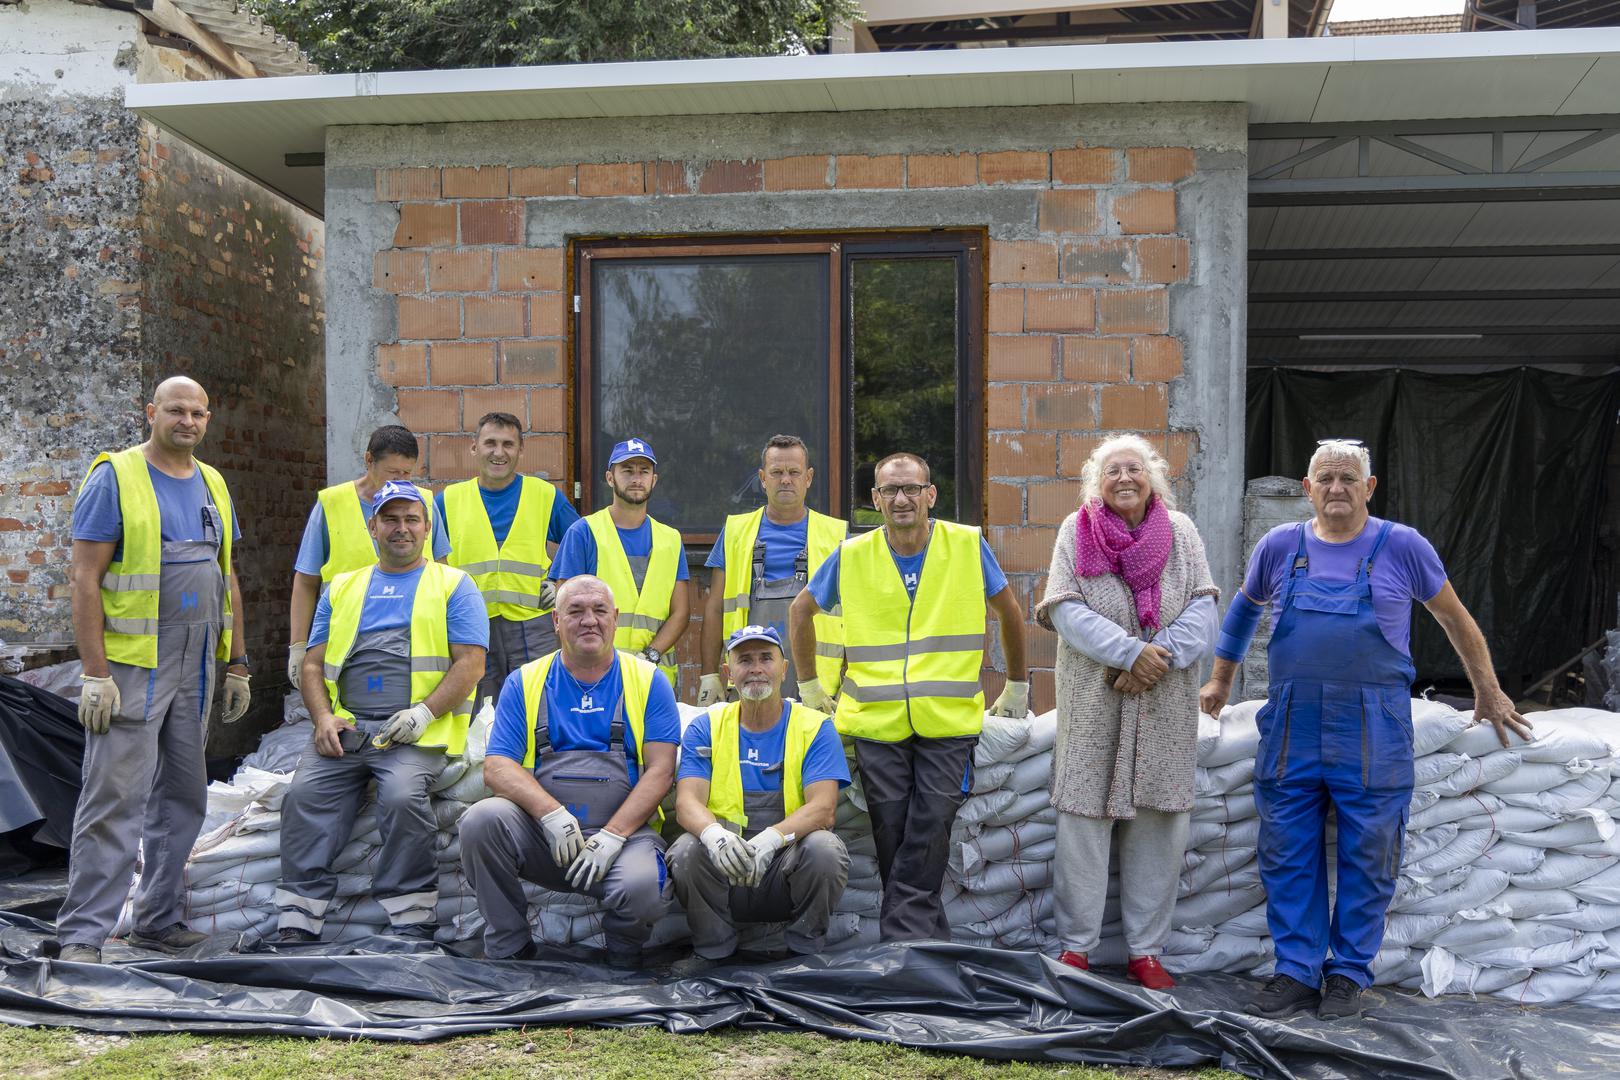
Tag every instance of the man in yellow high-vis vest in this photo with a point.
(395, 651)
(763, 559)
(915, 596)
(499, 527)
(156, 608)
(640, 558)
(756, 793)
(337, 538)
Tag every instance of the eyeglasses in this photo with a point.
(911, 491)
(1114, 472)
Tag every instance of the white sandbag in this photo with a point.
(478, 732)
(1226, 952)
(1549, 988)
(1454, 809)
(1404, 931)
(1022, 808)
(1410, 890)
(1009, 876)
(1215, 906)
(1462, 933)
(354, 853)
(1477, 740)
(1600, 722)
(1391, 965)
(1519, 904)
(446, 812)
(979, 807)
(1446, 973)
(470, 788)
(1600, 888)
(1543, 776)
(1421, 800)
(1533, 944)
(1420, 845)
(1476, 773)
(1506, 819)
(990, 777)
(253, 871)
(1433, 768)
(1002, 844)
(454, 769)
(1042, 737)
(1251, 923)
(1201, 834)
(1224, 808)
(1234, 868)
(1589, 825)
(1561, 870)
(1557, 741)
(1566, 798)
(279, 749)
(1513, 858)
(1236, 739)
(1244, 833)
(1000, 737)
(1591, 918)
(1467, 848)
(241, 848)
(1434, 724)
(1479, 889)
(1025, 914)
(1031, 774)
(1223, 779)
(859, 901)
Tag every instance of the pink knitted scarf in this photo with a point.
(1104, 544)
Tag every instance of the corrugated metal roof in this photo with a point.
(247, 33)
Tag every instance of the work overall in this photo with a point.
(1336, 730)
(512, 644)
(318, 812)
(502, 846)
(800, 886)
(769, 601)
(145, 782)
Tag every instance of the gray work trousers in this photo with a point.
(913, 790)
(801, 886)
(1150, 850)
(144, 787)
(511, 645)
(502, 846)
(318, 815)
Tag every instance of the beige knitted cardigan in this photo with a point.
(1117, 751)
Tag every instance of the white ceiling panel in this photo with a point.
(1522, 86)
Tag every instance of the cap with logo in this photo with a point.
(395, 489)
(754, 633)
(631, 448)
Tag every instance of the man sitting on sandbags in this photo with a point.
(577, 786)
(769, 770)
(394, 653)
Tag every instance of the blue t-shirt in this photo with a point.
(824, 583)
(577, 553)
(761, 753)
(783, 543)
(181, 505)
(1407, 569)
(501, 507)
(316, 546)
(388, 604)
(581, 718)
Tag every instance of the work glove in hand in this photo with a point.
(764, 847)
(562, 833)
(711, 691)
(295, 662)
(729, 852)
(98, 703)
(812, 696)
(404, 727)
(237, 697)
(595, 860)
(548, 594)
(1013, 702)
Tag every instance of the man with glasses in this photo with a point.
(914, 596)
(1336, 729)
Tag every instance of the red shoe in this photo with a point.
(1149, 972)
(1074, 960)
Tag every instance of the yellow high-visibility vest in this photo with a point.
(824, 534)
(641, 614)
(129, 588)
(430, 645)
(913, 663)
(725, 759)
(348, 539)
(509, 575)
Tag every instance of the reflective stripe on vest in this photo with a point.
(725, 759)
(642, 614)
(129, 589)
(430, 645)
(509, 575)
(913, 664)
(348, 535)
(824, 534)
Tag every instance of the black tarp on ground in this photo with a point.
(1503, 472)
(986, 1003)
(41, 748)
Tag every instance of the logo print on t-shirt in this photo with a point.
(753, 754)
(388, 590)
(911, 581)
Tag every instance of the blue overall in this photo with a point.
(1336, 730)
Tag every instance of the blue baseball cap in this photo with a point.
(631, 448)
(754, 633)
(395, 489)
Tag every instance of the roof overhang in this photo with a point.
(254, 124)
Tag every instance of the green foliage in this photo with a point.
(413, 35)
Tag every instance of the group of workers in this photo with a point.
(410, 608)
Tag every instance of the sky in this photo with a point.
(1350, 10)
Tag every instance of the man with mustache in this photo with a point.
(756, 794)
(394, 653)
(641, 559)
(763, 559)
(499, 527)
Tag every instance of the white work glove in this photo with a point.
(652, 655)
(812, 696)
(1013, 702)
(729, 852)
(711, 691)
(562, 833)
(404, 727)
(237, 697)
(295, 662)
(98, 703)
(764, 847)
(595, 859)
(548, 594)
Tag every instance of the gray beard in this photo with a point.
(754, 692)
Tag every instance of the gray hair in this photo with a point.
(1158, 469)
(1341, 450)
(583, 581)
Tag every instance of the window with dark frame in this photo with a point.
(862, 345)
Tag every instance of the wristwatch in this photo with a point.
(652, 655)
(240, 661)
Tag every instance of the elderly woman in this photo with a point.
(1131, 598)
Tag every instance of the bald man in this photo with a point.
(156, 610)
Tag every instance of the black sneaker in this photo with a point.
(1341, 999)
(80, 954)
(1282, 996)
(292, 935)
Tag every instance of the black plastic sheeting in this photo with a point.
(41, 750)
(986, 1003)
(1503, 472)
